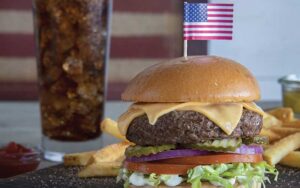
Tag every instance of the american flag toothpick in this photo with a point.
(207, 21)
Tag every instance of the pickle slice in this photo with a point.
(137, 151)
(229, 144)
(256, 140)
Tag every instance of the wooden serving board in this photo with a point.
(60, 176)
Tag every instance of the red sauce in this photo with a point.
(16, 159)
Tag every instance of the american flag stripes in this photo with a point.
(208, 21)
(143, 34)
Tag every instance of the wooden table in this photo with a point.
(20, 122)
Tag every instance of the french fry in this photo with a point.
(271, 121)
(292, 159)
(110, 126)
(266, 146)
(109, 153)
(100, 169)
(283, 114)
(294, 124)
(270, 134)
(282, 148)
(78, 159)
(285, 131)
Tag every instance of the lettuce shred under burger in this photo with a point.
(225, 175)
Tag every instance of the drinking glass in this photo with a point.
(72, 49)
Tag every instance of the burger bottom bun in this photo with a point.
(204, 185)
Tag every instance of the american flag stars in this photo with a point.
(210, 21)
(195, 12)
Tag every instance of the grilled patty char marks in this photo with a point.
(183, 127)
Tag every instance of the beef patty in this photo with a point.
(183, 127)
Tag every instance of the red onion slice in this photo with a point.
(244, 149)
(169, 155)
(252, 149)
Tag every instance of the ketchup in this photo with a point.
(17, 159)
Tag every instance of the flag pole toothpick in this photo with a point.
(185, 43)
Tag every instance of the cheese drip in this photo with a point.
(226, 115)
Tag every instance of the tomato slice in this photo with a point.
(158, 168)
(181, 165)
(214, 159)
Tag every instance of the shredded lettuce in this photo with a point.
(225, 175)
(165, 177)
(139, 179)
(207, 173)
(153, 180)
(124, 175)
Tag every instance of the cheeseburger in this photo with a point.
(194, 123)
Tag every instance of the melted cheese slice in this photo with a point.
(226, 116)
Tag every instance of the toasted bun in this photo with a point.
(207, 79)
(204, 185)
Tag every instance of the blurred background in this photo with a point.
(266, 40)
